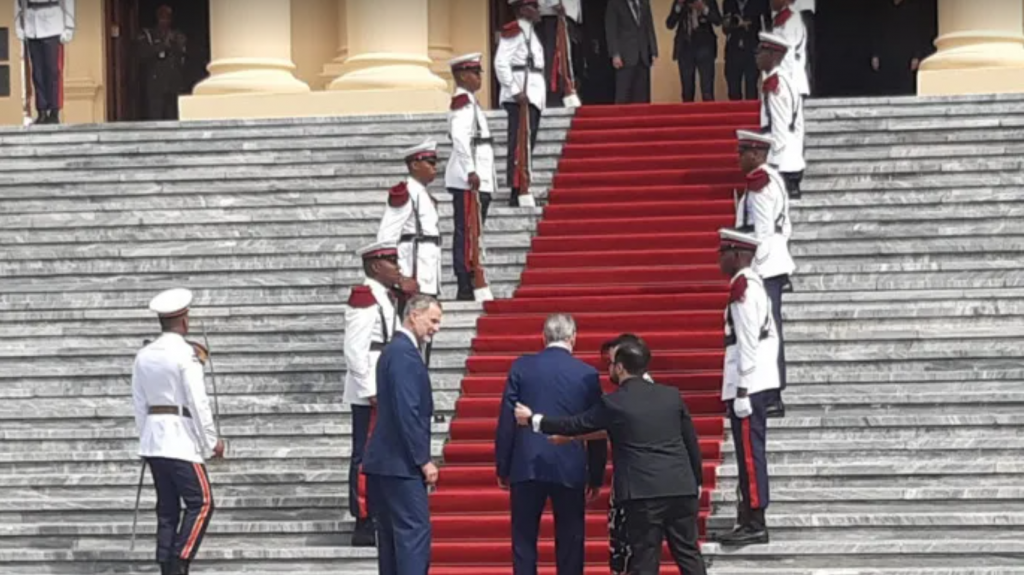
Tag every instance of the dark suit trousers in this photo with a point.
(512, 110)
(774, 287)
(361, 415)
(569, 506)
(741, 74)
(749, 436)
(463, 277)
(633, 84)
(402, 513)
(45, 54)
(693, 60)
(651, 521)
(180, 536)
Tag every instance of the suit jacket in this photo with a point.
(655, 449)
(400, 443)
(700, 39)
(632, 40)
(739, 39)
(556, 383)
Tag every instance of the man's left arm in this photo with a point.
(505, 436)
(594, 419)
(597, 449)
(692, 442)
(711, 12)
(69, 21)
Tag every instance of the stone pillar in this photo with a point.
(335, 67)
(251, 49)
(439, 38)
(387, 46)
(980, 49)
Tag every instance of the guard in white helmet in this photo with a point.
(782, 112)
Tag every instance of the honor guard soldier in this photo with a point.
(44, 26)
(764, 210)
(370, 323)
(469, 177)
(177, 433)
(560, 22)
(411, 220)
(750, 379)
(782, 112)
(787, 24)
(519, 66)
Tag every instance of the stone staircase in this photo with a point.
(902, 452)
(260, 219)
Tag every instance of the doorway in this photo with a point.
(125, 22)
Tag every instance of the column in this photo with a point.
(335, 67)
(387, 46)
(251, 49)
(980, 49)
(439, 37)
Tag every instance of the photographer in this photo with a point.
(742, 22)
(696, 45)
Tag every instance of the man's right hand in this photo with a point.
(875, 63)
(521, 97)
(372, 400)
(503, 483)
(429, 473)
(218, 450)
(474, 182)
(617, 63)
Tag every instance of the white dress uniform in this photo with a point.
(45, 19)
(752, 344)
(370, 322)
(519, 62)
(782, 114)
(765, 208)
(573, 9)
(788, 24)
(472, 144)
(412, 222)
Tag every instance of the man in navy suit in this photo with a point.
(535, 470)
(397, 462)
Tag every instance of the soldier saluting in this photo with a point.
(177, 432)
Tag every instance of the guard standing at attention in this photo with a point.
(469, 177)
(782, 112)
(519, 66)
(370, 323)
(764, 211)
(788, 24)
(176, 433)
(750, 379)
(45, 26)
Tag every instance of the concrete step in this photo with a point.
(923, 495)
(920, 553)
(892, 469)
(910, 180)
(885, 526)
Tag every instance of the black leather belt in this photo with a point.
(524, 68)
(488, 140)
(377, 346)
(34, 5)
(422, 239)
(170, 410)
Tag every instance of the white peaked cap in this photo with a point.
(736, 238)
(172, 302)
(427, 147)
(378, 249)
(466, 61)
(756, 139)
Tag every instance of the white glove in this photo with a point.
(66, 35)
(742, 408)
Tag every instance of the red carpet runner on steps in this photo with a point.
(628, 242)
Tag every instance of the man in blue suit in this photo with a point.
(397, 462)
(534, 469)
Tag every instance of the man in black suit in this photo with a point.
(742, 22)
(696, 45)
(629, 29)
(656, 458)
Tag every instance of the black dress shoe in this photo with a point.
(746, 535)
(465, 296)
(364, 535)
(167, 568)
(795, 194)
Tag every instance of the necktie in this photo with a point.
(634, 5)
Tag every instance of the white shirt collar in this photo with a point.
(415, 187)
(409, 334)
(562, 345)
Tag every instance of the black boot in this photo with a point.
(365, 534)
(753, 533)
(513, 199)
(167, 568)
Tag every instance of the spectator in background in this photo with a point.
(742, 22)
(629, 28)
(161, 56)
(696, 44)
(898, 45)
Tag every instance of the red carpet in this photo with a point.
(627, 243)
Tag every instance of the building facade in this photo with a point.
(288, 58)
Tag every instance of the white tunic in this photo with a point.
(573, 9)
(363, 327)
(466, 125)
(168, 373)
(752, 340)
(795, 62)
(400, 222)
(514, 52)
(767, 210)
(48, 20)
(782, 110)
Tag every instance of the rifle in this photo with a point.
(521, 178)
(562, 65)
(138, 500)
(213, 381)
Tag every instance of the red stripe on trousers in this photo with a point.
(748, 460)
(197, 527)
(364, 511)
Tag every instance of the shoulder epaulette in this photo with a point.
(398, 195)
(758, 180)
(511, 30)
(782, 17)
(770, 84)
(460, 101)
(738, 289)
(361, 296)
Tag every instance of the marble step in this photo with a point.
(892, 470)
(327, 502)
(970, 296)
(116, 557)
(127, 476)
(862, 554)
(986, 484)
(935, 107)
(964, 197)
(892, 493)
(885, 250)
(884, 446)
(721, 566)
(911, 127)
(894, 371)
(845, 139)
(953, 151)
(143, 565)
(979, 211)
(814, 183)
(980, 277)
(884, 526)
